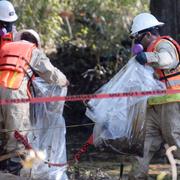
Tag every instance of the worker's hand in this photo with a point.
(141, 58)
(67, 84)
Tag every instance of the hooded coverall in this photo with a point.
(163, 114)
(17, 116)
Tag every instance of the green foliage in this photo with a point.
(42, 16)
(98, 24)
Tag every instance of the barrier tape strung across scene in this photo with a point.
(19, 137)
(87, 96)
(84, 148)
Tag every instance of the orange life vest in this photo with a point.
(172, 78)
(14, 62)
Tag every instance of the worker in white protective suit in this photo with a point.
(46, 115)
(18, 62)
(163, 113)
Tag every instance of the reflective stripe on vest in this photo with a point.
(172, 82)
(14, 62)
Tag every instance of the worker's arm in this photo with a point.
(43, 67)
(165, 56)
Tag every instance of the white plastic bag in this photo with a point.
(50, 134)
(120, 122)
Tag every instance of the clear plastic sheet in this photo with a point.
(120, 122)
(50, 134)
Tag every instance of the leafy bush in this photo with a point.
(97, 24)
(42, 16)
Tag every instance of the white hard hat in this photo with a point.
(7, 11)
(35, 34)
(17, 36)
(144, 21)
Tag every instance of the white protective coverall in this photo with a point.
(162, 120)
(17, 116)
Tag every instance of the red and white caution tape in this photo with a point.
(88, 96)
(19, 137)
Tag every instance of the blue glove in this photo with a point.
(141, 58)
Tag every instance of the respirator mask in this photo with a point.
(137, 46)
(7, 27)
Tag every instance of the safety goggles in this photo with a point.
(139, 37)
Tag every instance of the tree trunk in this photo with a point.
(167, 11)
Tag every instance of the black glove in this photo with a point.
(141, 58)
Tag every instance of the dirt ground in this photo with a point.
(105, 166)
(111, 171)
(96, 164)
(96, 167)
(104, 171)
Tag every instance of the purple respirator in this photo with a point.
(137, 48)
(3, 31)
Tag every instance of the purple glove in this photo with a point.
(137, 48)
